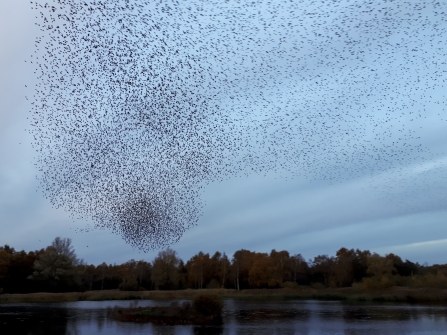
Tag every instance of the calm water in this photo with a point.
(240, 317)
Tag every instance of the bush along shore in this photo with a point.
(349, 294)
(206, 309)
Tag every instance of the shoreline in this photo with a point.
(349, 294)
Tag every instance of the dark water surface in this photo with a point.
(240, 317)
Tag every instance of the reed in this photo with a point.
(394, 294)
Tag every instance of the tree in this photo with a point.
(221, 266)
(6, 248)
(199, 270)
(241, 264)
(407, 268)
(55, 267)
(264, 273)
(6, 253)
(5, 259)
(102, 270)
(63, 247)
(299, 268)
(143, 270)
(183, 275)
(281, 259)
(379, 266)
(20, 268)
(360, 264)
(89, 275)
(111, 276)
(165, 272)
(129, 275)
(344, 267)
(322, 269)
(135, 275)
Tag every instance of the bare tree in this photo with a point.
(63, 247)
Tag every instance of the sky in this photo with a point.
(398, 207)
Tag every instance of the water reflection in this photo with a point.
(240, 318)
(28, 320)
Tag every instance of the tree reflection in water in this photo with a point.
(244, 317)
(28, 320)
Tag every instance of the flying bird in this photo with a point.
(141, 104)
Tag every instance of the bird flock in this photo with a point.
(140, 104)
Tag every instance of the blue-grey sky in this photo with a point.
(398, 207)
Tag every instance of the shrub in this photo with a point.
(377, 282)
(430, 280)
(213, 284)
(317, 286)
(207, 305)
(290, 284)
(129, 285)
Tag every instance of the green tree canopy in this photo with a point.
(56, 266)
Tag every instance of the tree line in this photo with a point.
(57, 268)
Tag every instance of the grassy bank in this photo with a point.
(393, 294)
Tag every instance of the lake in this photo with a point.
(240, 317)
